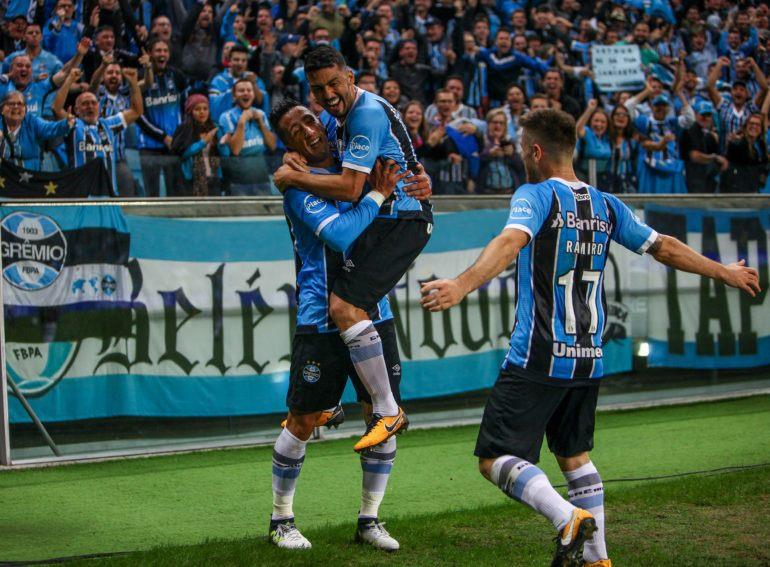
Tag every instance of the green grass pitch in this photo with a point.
(213, 508)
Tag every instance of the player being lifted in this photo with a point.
(560, 230)
(322, 230)
(366, 127)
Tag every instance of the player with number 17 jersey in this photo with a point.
(561, 311)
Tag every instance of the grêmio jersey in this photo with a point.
(560, 306)
(374, 129)
(322, 231)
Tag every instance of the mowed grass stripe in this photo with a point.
(186, 499)
(715, 520)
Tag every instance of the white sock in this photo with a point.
(363, 342)
(288, 456)
(586, 491)
(376, 464)
(524, 482)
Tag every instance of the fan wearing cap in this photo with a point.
(732, 113)
(661, 169)
(700, 151)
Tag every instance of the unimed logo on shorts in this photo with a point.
(33, 249)
(359, 146)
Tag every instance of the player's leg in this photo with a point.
(288, 456)
(316, 380)
(379, 259)
(570, 437)
(377, 462)
(508, 447)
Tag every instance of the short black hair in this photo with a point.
(279, 110)
(363, 74)
(322, 57)
(238, 48)
(552, 129)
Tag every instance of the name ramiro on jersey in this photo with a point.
(584, 248)
(564, 350)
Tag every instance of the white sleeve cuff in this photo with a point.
(356, 167)
(647, 243)
(520, 227)
(376, 196)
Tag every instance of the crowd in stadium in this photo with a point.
(461, 73)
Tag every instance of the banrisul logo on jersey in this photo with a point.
(360, 146)
(33, 248)
(521, 209)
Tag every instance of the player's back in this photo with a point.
(560, 312)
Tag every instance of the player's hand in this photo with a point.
(282, 177)
(419, 185)
(742, 277)
(440, 295)
(295, 161)
(385, 176)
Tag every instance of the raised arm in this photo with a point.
(439, 295)
(137, 104)
(676, 254)
(61, 95)
(714, 74)
(761, 81)
(580, 127)
(82, 48)
(96, 78)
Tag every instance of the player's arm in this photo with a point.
(347, 186)
(676, 254)
(439, 295)
(342, 230)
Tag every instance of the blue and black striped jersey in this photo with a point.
(560, 307)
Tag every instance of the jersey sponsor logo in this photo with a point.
(594, 224)
(314, 205)
(360, 146)
(582, 196)
(33, 250)
(171, 98)
(311, 372)
(521, 209)
(585, 248)
(91, 147)
(563, 350)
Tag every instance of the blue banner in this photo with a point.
(183, 318)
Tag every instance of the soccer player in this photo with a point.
(322, 231)
(93, 137)
(366, 128)
(560, 229)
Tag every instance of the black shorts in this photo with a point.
(519, 411)
(321, 366)
(379, 259)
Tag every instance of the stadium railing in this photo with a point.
(173, 332)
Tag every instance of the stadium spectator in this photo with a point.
(733, 112)
(415, 78)
(44, 63)
(195, 141)
(367, 81)
(246, 135)
(162, 29)
(93, 137)
(594, 148)
(417, 126)
(391, 91)
(62, 33)
(162, 115)
(700, 151)
(553, 86)
(515, 108)
(22, 133)
(501, 170)
(747, 158)
(200, 40)
(621, 176)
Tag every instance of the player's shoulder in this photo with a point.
(370, 106)
(300, 203)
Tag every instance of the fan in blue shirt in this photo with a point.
(22, 133)
(44, 63)
(93, 137)
(221, 86)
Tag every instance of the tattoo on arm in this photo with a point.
(655, 246)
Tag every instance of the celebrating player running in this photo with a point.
(560, 230)
(365, 128)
